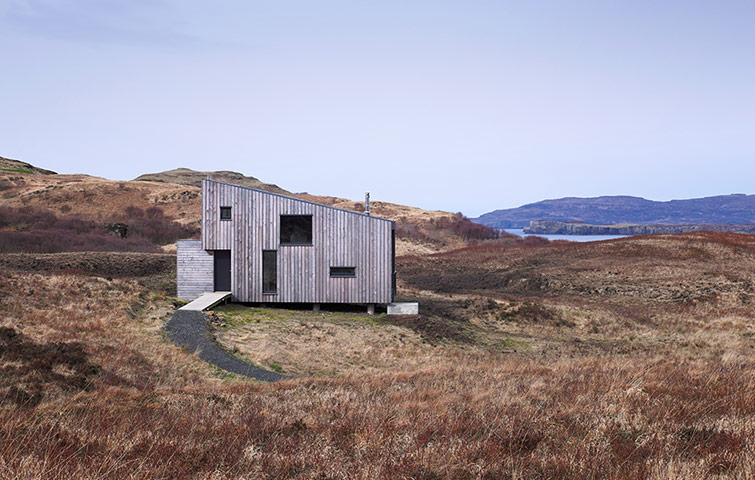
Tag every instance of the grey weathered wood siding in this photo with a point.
(340, 238)
(194, 269)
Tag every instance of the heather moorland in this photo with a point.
(630, 358)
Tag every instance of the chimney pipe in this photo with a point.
(367, 203)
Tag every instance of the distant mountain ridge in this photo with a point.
(735, 209)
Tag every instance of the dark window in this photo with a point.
(343, 272)
(225, 213)
(269, 271)
(296, 229)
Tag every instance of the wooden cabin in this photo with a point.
(269, 248)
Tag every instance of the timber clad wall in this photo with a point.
(340, 238)
(194, 269)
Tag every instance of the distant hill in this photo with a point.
(17, 166)
(187, 176)
(733, 209)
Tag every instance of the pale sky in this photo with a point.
(459, 105)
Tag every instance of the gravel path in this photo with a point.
(190, 329)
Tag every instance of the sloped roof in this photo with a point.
(299, 200)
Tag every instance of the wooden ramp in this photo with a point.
(206, 300)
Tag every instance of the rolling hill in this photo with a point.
(176, 193)
(187, 176)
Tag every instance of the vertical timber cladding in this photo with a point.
(340, 238)
(194, 269)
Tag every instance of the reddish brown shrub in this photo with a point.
(440, 229)
(33, 231)
(54, 241)
(465, 228)
(152, 225)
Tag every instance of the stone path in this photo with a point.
(189, 328)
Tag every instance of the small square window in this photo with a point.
(343, 272)
(225, 213)
(296, 230)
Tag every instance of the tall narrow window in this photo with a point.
(296, 229)
(225, 213)
(269, 271)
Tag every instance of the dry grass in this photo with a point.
(604, 391)
(326, 344)
(97, 198)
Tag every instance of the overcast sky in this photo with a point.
(458, 105)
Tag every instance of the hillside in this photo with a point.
(176, 195)
(17, 166)
(187, 176)
(97, 198)
(623, 359)
(732, 209)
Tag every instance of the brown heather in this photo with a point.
(25, 230)
(621, 360)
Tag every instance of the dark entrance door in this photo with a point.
(222, 270)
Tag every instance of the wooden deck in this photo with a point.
(207, 300)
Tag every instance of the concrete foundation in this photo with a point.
(403, 308)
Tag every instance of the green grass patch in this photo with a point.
(518, 344)
(176, 302)
(223, 375)
(16, 170)
(235, 315)
(275, 367)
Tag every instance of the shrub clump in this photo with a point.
(35, 231)
(456, 225)
(151, 224)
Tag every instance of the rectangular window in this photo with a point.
(343, 272)
(296, 230)
(269, 271)
(225, 213)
